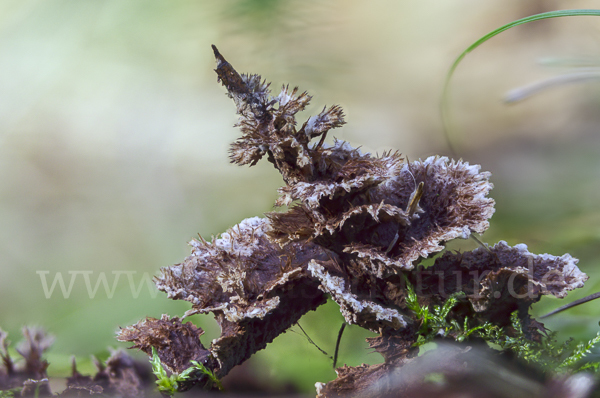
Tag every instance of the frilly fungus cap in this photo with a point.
(355, 228)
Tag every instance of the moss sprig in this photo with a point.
(435, 322)
(10, 393)
(169, 385)
(549, 354)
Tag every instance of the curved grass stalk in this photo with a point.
(446, 122)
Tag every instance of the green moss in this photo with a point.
(169, 385)
(548, 353)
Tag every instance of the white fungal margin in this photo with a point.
(354, 310)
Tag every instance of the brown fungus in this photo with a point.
(30, 374)
(255, 288)
(121, 376)
(238, 274)
(501, 279)
(176, 343)
(356, 228)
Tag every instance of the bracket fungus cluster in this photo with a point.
(355, 229)
(119, 376)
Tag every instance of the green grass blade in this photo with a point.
(537, 17)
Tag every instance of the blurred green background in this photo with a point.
(114, 136)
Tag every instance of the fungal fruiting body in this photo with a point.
(355, 230)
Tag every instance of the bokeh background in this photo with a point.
(114, 136)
